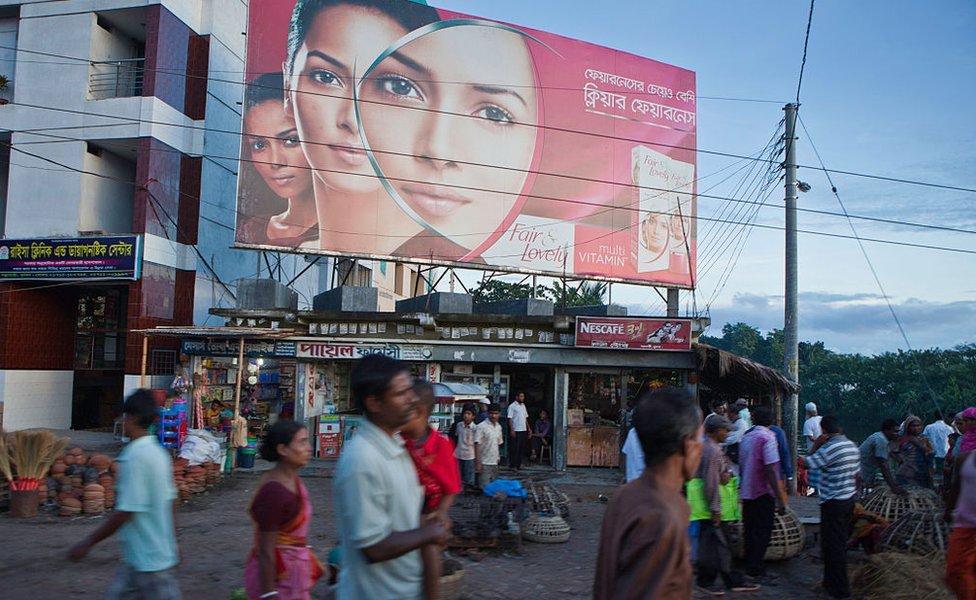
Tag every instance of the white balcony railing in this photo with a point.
(116, 78)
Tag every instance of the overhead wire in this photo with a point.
(86, 62)
(874, 274)
(540, 197)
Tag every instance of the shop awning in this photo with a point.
(459, 392)
(218, 332)
(737, 375)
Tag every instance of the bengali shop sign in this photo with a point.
(622, 333)
(330, 351)
(395, 130)
(106, 257)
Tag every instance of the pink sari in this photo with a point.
(297, 566)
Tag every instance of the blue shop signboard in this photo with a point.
(103, 257)
(230, 347)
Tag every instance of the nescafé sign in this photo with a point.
(620, 333)
(104, 257)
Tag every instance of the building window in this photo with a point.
(100, 329)
(163, 362)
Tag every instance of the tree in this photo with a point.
(495, 290)
(591, 293)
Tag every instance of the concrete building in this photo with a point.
(123, 117)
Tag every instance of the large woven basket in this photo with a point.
(786, 541)
(886, 504)
(922, 532)
(545, 529)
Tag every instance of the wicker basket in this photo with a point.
(892, 507)
(786, 541)
(450, 586)
(922, 532)
(546, 529)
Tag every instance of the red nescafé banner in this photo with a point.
(622, 333)
(390, 129)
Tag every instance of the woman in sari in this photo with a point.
(281, 565)
(914, 454)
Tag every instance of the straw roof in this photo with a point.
(736, 375)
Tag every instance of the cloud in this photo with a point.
(857, 322)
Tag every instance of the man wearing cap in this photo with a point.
(714, 554)
(812, 432)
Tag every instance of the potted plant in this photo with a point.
(4, 84)
(25, 458)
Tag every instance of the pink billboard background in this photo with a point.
(596, 178)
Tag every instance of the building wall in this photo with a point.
(36, 398)
(106, 202)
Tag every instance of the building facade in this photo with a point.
(124, 117)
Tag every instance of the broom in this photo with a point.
(33, 453)
(5, 459)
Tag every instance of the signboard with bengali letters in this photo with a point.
(104, 257)
(331, 351)
(622, 333)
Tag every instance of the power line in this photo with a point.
(597, 205)
(874, 274)
(535, 125)
(469, 163)
(803, 62)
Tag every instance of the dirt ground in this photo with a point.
(215, 537)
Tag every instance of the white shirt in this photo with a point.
(376, 493)
(811, 429)
(465, 441)
(739, 429)
(489, 437)
(633, 455)
(519, 416)
(938, 433)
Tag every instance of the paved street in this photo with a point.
(215, 536)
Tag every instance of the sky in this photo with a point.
(885, 91)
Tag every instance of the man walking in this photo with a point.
(144, 505)
(876, 457)
(518, 421)
(762, 491)
(961, 512)
(644, 549)
(838, 460)
(378, 497)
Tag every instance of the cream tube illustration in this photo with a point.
(663, 184)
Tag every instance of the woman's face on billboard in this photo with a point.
(655, 232)
(273, 146)
(451, 117)
(340, 40)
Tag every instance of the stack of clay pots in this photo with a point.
(212, 472)
(108, 484)
(93, 499)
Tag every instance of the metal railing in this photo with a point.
(116, 78)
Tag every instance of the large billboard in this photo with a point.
(390, 129)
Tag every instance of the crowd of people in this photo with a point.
(688, 478)
(744, 474)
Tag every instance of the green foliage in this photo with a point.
(864, 390)
(590, 293)
(4, 82)
(496, 291)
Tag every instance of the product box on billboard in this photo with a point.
(663, 190)
(329, 445)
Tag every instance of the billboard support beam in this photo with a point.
(672, 302)
(790, 335)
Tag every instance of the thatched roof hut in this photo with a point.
(729, 375)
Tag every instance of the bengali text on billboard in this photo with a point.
(391, 129)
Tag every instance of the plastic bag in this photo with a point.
(510, 487)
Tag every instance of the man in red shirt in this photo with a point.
(433, 456)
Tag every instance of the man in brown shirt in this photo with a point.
(644, 547)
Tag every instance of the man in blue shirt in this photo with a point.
(785, 458)
(144, 505)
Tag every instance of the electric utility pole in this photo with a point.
(790, 342)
